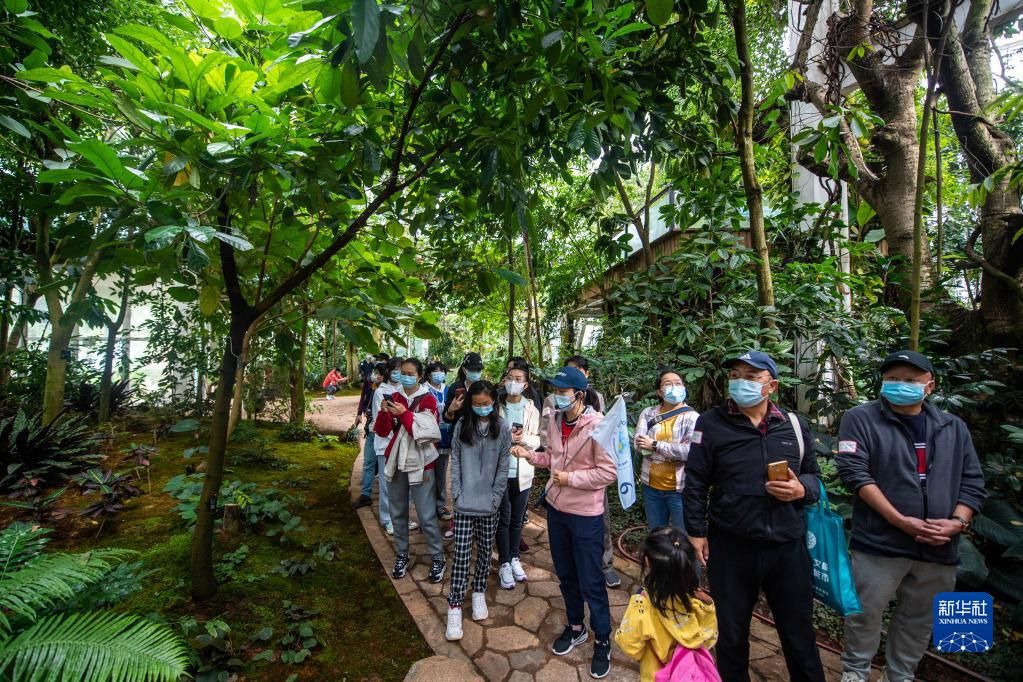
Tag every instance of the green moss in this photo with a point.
(360, 611)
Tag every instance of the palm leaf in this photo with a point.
(19, 542)
(97, 646)
(51, 579)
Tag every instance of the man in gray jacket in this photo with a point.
(918, 484)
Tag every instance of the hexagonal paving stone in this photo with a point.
(530, 613)
(472, 636)
(519, 676)
(557, 671)
(510, 638)
(529, 660)
(510, 597)
(544, 588)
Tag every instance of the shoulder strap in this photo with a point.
(794, 420)
(658, 418)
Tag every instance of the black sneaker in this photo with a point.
(568, 640)
(600, 666)
(400, 567)
(437, 570)
(362, 501)
(611, 578)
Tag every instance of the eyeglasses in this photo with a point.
(672, 385)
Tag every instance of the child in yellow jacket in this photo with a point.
(671, 611)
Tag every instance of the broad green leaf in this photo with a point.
(15, 126)
(365, 27)
(209, 300)
(425, 330)
(864, 212)
(229, 28)
(159, 237)
(65, 175)
(350, 93)
(551, 38)
(328, 84)
(659, 11)
(106, 161)
(132, 54)
(459, 91)
(510, 277)
(874, 236)
(16, 6)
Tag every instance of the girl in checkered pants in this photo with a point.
(480, 445)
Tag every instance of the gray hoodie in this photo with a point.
(479, 472)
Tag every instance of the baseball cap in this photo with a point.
(908, 357)
(570, 377)
(472, 361)
(755, 358)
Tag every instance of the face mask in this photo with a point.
(514, 387)
(375, 378)
(745, 393)
(563, 402)
(473, 376)
(482, 411)
(903, 392)
(675, 395)
(408, 381)
(439, 377)
(396, 376)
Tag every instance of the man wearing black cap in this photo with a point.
(751, 536)
(918, 483)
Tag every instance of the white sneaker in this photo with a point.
(479, 606)
(505, 573)
(517, 570)
(454, 630)
(389, 528)
(851, 677)
(412, 525)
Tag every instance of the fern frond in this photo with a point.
(52, 579)
(19, 542)
(98, 646)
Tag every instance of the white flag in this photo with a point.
(613, 435)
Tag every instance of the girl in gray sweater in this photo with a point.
(480, 447)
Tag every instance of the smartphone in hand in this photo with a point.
(778, 471)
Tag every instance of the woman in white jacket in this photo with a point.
(663, 434)
(524, 420)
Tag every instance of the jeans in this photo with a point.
(440, 480)
(385, 503)
(577, 546)
(509, 529)
(369, 467)
(913, 584)
(663, 508)
(739, 569)
(401, 495)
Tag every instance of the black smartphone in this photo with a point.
(516, 427)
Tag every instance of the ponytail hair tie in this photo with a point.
(675, 543)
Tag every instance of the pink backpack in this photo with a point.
(689, 665)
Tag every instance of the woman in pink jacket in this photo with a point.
(580, 471)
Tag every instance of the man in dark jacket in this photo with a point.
(918, 483)
(755, 538)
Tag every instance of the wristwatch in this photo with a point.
(960, 519)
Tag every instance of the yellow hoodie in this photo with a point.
(649, 636)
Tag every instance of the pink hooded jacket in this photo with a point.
(590, 468)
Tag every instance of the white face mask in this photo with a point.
(514, 387)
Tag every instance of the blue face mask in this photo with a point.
(903, 392)
(563, 402)
(746, 393)
(473, 376)
(675, 395)
(482, 411)
(438, 377)
(396, 376)
(408, 381)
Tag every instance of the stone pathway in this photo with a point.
(513, 644)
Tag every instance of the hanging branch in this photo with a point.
(938, 196)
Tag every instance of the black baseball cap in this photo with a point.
(472, 362)
(755, 358)
(908, 357)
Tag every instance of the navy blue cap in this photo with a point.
(570, 377)
(756, 358)
(908, 357)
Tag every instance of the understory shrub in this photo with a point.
(34, 457)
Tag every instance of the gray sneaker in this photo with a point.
(611, 578)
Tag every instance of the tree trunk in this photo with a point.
(298, 378)
(204, 585)
(113, 326)
(534, 307)
(5, 330)
(239, 381)
(56, 369)
(511, 302)
(754, 194)
(966, 82)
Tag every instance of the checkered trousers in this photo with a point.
(468, 528)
